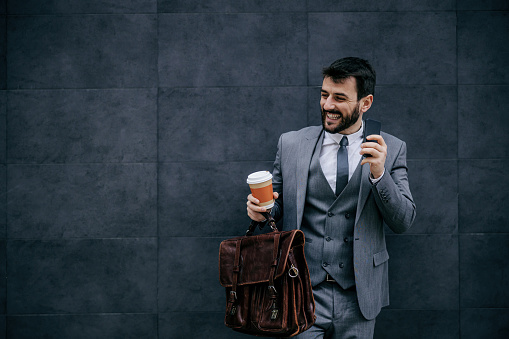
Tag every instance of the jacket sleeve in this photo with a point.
(277, 183)
(392, 194)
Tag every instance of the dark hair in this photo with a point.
(360, 69)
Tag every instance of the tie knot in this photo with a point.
(344, 141)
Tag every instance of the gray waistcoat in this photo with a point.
(328, 223)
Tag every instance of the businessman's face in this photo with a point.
(340, 108)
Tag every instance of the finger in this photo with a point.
(276, 195)
(253, 199)
(368, 160)
(255, 208)
(255, 216)
(371, 151)
(370, 145)
(376, 137)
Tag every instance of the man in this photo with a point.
(326, 185)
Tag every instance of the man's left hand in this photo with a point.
(378, 152)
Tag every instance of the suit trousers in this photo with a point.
(338, 315)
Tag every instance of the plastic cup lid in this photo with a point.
(258, 177)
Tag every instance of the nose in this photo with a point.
(328, 104)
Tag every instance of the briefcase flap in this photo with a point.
(256, 256)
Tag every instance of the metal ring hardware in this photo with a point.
(293, 272)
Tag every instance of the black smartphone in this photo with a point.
(371, 127)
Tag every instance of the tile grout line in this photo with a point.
(157, 171)
(6, 167)
(239, 86)
(274, 12)
(307, 63)
(457, 174)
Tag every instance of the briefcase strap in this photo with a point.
(270, 220)
(236, 271)
(273, 266)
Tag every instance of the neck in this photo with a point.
(352, 129)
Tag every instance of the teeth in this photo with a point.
(333, 116)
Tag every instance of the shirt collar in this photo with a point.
(335, 138)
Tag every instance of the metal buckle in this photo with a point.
(329, 278)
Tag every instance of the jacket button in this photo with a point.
(341, 265)
(330, 214)
(325, 264)
(347, 215)
(328, 238)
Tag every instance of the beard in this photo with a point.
(346, 122)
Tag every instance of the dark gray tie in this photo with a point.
(342, 169)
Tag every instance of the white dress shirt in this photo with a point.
(328, 155)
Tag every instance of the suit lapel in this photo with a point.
(306, 148)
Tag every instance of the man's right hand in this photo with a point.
(253, 210)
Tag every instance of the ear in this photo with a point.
(366, 103)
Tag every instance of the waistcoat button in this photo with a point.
(328, 238)
(330, 214)
(347, 215)
(346, 239)
(341, 265)
(325, 264)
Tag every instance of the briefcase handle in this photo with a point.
(270, 220)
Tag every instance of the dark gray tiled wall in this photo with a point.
(184, 112)
(3, 127)
(484, 323)
(422, 324)
(133, 326)
(82, 51)
(81, 7)
(230, 6)
(111, 125)
(380, 6)
(433, 261)
(75, 200)
(76, 276)
(127, 131)
(185, 187)
(481, 121)
(482, 48)
(483, 270)
(405, 48)
(481, 201)
(3, 49)
(269, 50)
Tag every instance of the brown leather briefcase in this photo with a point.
(268, 289)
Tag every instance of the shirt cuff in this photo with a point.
(375, 181)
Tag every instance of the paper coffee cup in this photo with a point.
(260, 184)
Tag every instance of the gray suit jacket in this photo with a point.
(389, 202)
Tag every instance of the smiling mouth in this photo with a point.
(333, 116)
